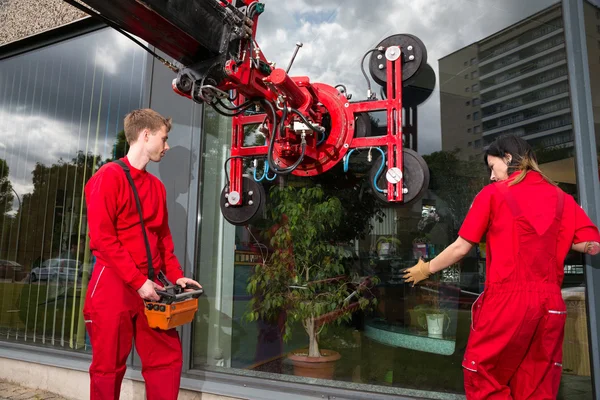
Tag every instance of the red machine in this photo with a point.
(308, 127)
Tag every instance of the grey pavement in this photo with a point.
(12, 391)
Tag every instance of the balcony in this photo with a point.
(529, 59)
(535, 124)
(555, 71)
(529, 134)
(546, 90)
(524, 103)
(514, 46)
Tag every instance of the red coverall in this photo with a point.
(113, 311)
(517, 330)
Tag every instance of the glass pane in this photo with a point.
(503, 70)
(61, 108)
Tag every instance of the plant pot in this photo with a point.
(384, 249)
(314, 367)
(435, 325)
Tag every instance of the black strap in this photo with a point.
(139, 208)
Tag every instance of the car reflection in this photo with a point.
(57, 269)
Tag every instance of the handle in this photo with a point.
(422, 320)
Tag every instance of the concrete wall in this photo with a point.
(74, 384)
(22, 18)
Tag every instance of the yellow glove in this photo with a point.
(418, 273)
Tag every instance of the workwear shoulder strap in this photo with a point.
(516, 210)
(502, 187)
(139, 208)
(560, 203)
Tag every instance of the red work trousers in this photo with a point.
(114, 316)
(515, 345)
(517, 328)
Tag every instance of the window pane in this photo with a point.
(253, 316)
(62, 108)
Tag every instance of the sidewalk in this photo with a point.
(11, 391)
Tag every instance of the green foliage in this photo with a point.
(304, 275)
(359, 207)
(6, 193)
(121, 147)
(456, 182)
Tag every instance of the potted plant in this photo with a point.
(387, 246)
(304, 275)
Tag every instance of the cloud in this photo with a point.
(337, 34)
(52, 87)
(66, 98)
(58, 80)
(30, 139)
(112, 53)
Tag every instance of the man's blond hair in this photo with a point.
(146, 118)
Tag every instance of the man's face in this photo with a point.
(156, 144)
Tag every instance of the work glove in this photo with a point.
(417, 273)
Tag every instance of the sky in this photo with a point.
(49, 99)
(336, 34)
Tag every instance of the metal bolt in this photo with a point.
(346, 145)
(226, 205)
(380, 66)
(250, 202)
(409, 48)
(226, 195)
(250, 193)
(347, 105)
(379, 56)
(411, 58)
(404, 190)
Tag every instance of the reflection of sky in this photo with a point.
(72, 96)
(336, 34)
(66, 98)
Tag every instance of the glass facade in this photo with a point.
(61, 108)
(498, 69)
(512, 79)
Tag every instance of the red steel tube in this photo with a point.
(282, 81)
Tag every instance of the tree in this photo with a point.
(456, 182)
(6, 190)
(305, 274)
(51, 214)
(121, 147)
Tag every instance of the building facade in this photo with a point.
(66, 82)
(515, 82)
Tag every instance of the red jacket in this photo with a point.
(490, 215)
(114, 223)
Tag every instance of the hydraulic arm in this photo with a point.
(308, 127)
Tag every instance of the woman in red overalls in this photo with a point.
(517, 328)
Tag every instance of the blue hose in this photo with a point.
(347, 160)
(379, 170)
(265, 174)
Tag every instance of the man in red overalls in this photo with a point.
(517, 328)
(114, 304)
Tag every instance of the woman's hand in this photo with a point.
(451, 255)
(591, 248)
(418, 273)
